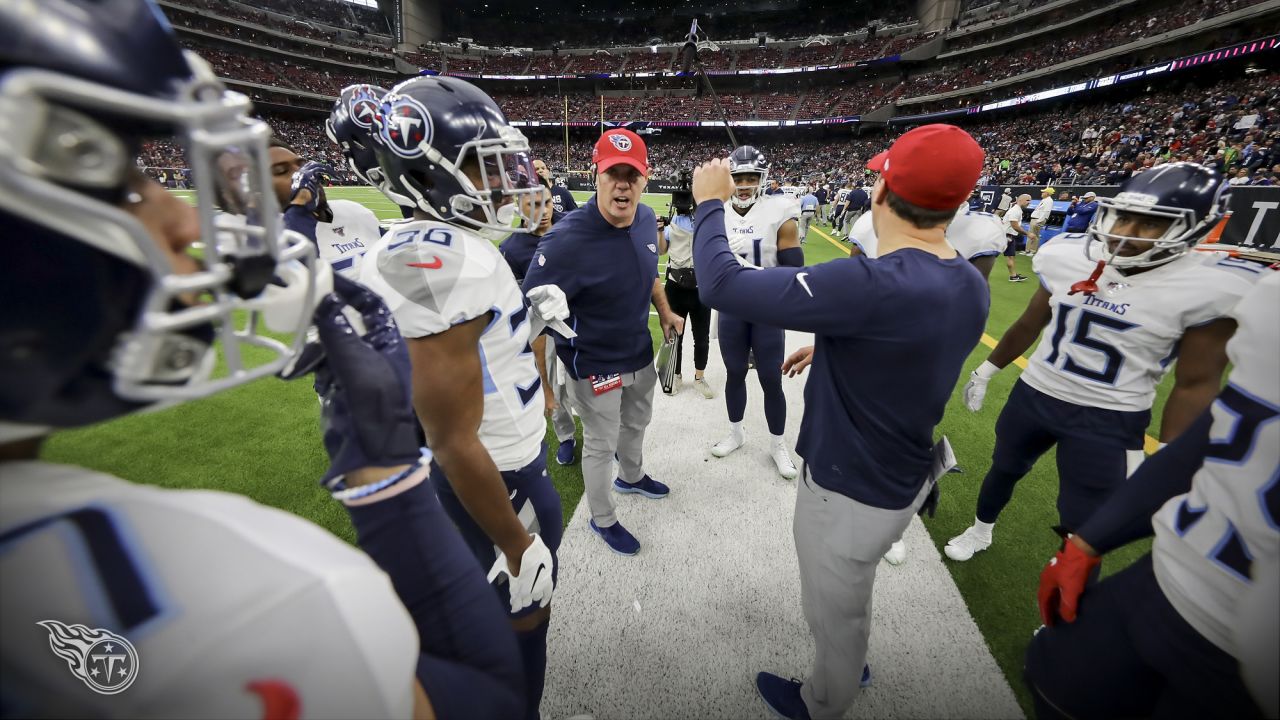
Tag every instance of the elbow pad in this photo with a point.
(791, 257)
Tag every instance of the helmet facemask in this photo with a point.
(756, 190)
(66, 163)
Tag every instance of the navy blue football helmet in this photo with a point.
(101, 317)
(747, 160)
(351, 125)
(1192, 197)
(445, 144)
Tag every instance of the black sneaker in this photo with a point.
(1018, 278)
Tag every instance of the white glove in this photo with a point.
(550, 308)
(534, 583)
(976, 389)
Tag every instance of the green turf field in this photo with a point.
(262, 440)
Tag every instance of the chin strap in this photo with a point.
(1090, 286)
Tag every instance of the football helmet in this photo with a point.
(444, 144)
(350, 126)
(748, 160)
(1192, 197)
(98, 321)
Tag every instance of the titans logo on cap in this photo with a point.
(364, 107)
(404, 125)
(620, 141)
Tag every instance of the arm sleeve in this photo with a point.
(1126, 515)
(831, 298)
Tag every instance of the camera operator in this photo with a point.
(676, 239)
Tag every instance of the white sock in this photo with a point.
(735, 429)
(779, 443)
(984, 529)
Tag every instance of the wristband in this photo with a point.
(986, 370)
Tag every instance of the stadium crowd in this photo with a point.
(368, 23)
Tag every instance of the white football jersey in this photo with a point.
(754, 236)
(342, 242)
(1207, 539)
(972, 234)
(1110, 349)
(434, 276)
(216, 594)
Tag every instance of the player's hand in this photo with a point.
(307, 184)
(672, 326)
(365, 408)
(797, 361)
(533, 582)
(550, 308)
(975, 391)
(712, 181)
(1062, 582)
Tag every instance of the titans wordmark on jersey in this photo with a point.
(754, 236)
(1110, 349)
(972, 234)
(229, 605)
(345, 240)
(434, 276)
(1210, 541)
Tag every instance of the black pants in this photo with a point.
(685, 303)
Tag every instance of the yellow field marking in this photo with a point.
(831, 240)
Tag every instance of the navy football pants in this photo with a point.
(1130, 654)
(1091, 451)
(737, 338)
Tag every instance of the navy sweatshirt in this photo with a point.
(607, 273)
(892, 335)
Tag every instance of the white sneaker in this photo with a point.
(782, 460)
(676, 384)
(704, 387)
(897, 553)
(726, 446)
(963, 546)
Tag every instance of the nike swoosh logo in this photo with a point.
(800, 278)
(435, 264)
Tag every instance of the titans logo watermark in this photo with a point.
(102, 660)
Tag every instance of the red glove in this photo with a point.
(1062, 582)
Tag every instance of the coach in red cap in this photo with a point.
(604, 257)
(892, 335)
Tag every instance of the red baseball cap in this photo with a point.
(621, 146)
(934, 166)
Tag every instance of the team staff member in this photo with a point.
(1039, 218)
(676, 241)
(1081, 212)
(808, 211)
(892, 335)
(604, 259)
(1013, 229)
(518, 251)
(561, 199)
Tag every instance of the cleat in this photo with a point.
(963, 546)
(897, 553)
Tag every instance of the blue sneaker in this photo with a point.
(866, 676)
(647, 487)
(782, 696)
(617, 538)
(564, 454)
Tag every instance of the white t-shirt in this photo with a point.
(754, 236)
(342, 242)
(1110, 350)
(1012, 218)
(434, 276)
(1208, 539)
(214, 592)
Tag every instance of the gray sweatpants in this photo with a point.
(803, 223)
(561, 419)
(839, 542)
(613, 423)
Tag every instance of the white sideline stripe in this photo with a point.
(680, 630)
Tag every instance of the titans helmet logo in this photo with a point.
(102, 660)
(363, 107)
(404, 125)
(620, 141)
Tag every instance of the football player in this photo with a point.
(350, 126)
(1159, 638)
(977, 236)
(128, 599)
(445, 143)
(763, 233)
(1109, 339)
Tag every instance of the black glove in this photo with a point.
(364, 385)
(930, 505)
(310, 177)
